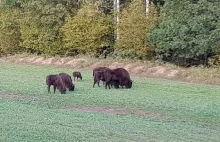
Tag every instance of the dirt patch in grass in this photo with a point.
(18, 97)
(11, 96)
(117, 111)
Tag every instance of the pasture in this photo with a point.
(152, 110)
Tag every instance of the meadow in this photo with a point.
(152, 110)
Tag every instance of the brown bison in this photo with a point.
(123, 77)
(59, 84)
(98, 75)
(110, 79)
(117, 77)
(50, 79)
(67, 81)
(77, 75)
(100, 69)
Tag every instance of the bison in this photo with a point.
(100, 69)
(117, 77)
(59, 84)
(123, 77)
(98, 75)
(50, 79)
(77, 75)
(67, 81)
(110, 79)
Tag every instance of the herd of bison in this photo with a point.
(116, 78)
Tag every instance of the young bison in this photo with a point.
(77, 75)
(50, 79)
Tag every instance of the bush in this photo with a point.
(9, 31)
(187, 29)
(40, 28)
(88, 31)
(133, 28)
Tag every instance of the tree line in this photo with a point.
(180, 32)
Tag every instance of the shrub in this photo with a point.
(87, 31)
(9, 31)
(187, 29)
(133, 28)
(40, 28)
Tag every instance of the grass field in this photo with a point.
(153, 110)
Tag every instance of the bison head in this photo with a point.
(71, 88)
(129, 84)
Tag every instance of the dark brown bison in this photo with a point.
(50, 79)
(77, 75)
(98, 75)
(110, 79)
(59, 84)
(123, 77)
(67, 81)
(100, 69)
(117, 77)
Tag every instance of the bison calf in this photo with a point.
(77, 75)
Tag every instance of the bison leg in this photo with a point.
(107, 84)
(74, 78)
(98, 83)
(54, 89)
(94, 83)
(48, 88)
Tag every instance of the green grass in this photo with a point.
(188, 112)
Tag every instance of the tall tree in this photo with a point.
(87, 31)
(133, 28)
(40, 29)
(187, 29)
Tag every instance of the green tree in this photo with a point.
(187, 29)
(40, 28)
(9, 31)
(133, 28)
(88, 31)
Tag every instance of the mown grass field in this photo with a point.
(168, 110)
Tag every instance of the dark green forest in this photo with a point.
(180, 32)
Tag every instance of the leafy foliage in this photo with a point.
(40, 29)
(88, 31)
(9, 31)
(133, 28)
(187, 29)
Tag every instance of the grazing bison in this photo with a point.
(123, 77)
(100, 69)
(59, 84)
(98, 75)
(50, 79)
(110, 79)
(77, 75)
(67, 81)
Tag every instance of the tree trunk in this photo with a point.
(116, 18)
(147, 6)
